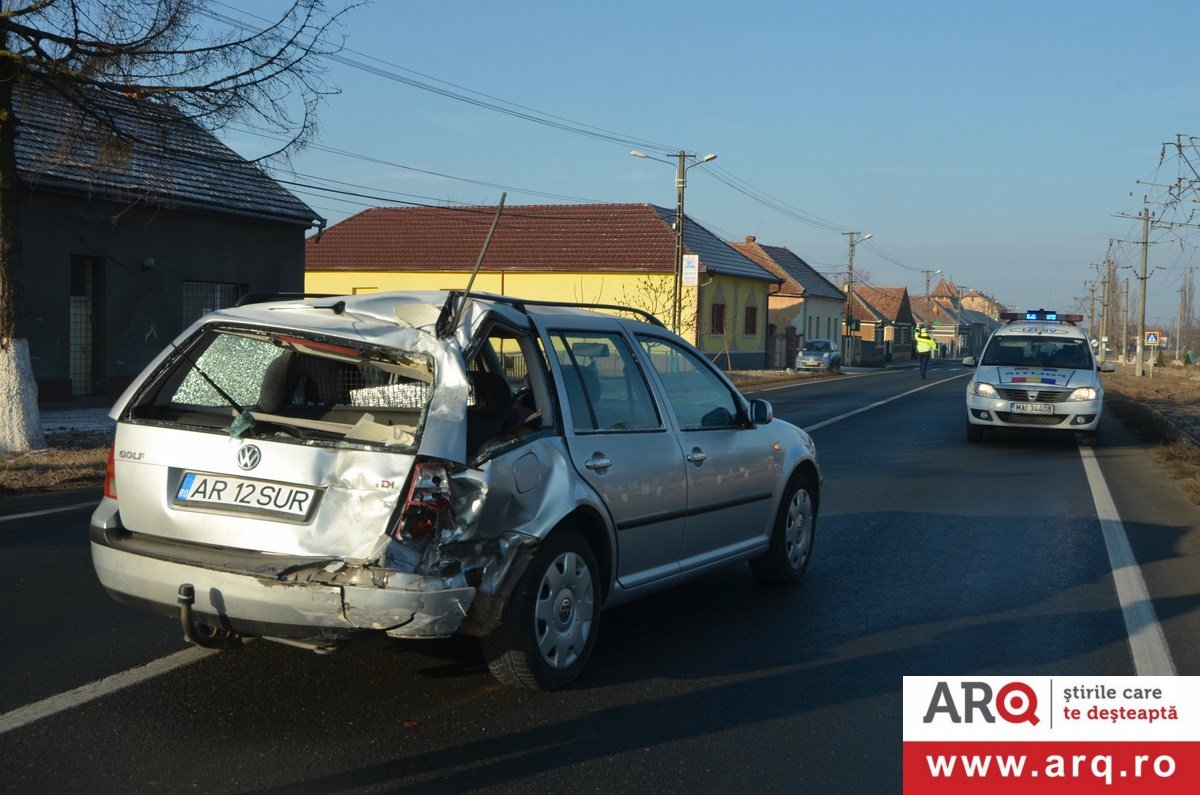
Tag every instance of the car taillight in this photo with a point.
(429, 506)
(110, 474)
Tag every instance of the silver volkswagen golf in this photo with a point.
(424, 464)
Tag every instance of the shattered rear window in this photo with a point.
(290, 387)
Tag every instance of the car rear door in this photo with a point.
(731, 468)
(621, 445)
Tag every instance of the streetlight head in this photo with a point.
(867, 236)
(708, 158)
(636, 153)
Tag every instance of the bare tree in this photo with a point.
(652, 293)
(170, 61)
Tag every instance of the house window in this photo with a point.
(200, 298)
(751, 326)
(810, 328)
(829, 327)
(718, 318)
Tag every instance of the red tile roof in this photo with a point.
(754, 250)
(889, 302)
(589, 237)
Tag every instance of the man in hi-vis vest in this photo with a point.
(925, 348)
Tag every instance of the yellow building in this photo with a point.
(597, 253)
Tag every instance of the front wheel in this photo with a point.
(551, 620)
(1090, 438)
(974, 432)
(790, 551)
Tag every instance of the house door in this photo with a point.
(81, 331)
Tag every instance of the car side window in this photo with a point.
(700, 400)
(605, 388)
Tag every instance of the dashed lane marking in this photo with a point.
(1151, 656)
(23, 716)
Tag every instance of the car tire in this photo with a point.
(790, 551)
(549, 626)
(1090, 438)
(974, 432)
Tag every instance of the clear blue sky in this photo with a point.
(992, 140)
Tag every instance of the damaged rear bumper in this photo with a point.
(267, 595)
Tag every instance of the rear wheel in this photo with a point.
(974, 432)
(551, 620)
(787, 558)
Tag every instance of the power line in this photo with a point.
(480, 99)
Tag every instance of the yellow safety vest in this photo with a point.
(925, 343)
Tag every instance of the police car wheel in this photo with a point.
(974, 432)
(1090, 438)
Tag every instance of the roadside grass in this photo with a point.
(73, 460)
(748, 378)
(1165, 408)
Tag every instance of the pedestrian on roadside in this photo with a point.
(925, 348)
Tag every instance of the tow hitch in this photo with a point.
(202, 634)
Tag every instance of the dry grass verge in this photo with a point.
(751, 378)
(74, 460)
(1165, 408)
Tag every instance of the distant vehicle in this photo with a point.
(1037, 372)
(819, 355)
(428, 464)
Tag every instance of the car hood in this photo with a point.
(1048, 376)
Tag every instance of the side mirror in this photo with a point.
(1107, 367)
(968, 361)
(760, 412)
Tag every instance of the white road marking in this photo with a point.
(877, 404)
(60, 509)
(23, 716)
(1151, 657)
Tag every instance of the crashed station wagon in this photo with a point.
(425, 464)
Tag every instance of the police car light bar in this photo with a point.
(1042, 314)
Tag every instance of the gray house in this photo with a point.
(126, 239)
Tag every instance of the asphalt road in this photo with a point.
(932, 557)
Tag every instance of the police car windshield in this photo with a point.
(818, 345)
(1039, 351)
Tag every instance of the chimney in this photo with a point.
(750, 238)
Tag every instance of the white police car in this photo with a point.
(1037, 372)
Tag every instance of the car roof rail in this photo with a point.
(520, 305)
(262, 298)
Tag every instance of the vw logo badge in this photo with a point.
(249, 456)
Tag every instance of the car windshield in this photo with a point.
(818, 345)
(292, 388)
(1038, 351)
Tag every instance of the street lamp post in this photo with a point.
(681, 170)
(853, 238)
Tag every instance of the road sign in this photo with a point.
(691, 270)
(1152, 338)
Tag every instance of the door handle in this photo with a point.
(697, 456)
(598, 463)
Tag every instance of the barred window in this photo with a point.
(751, 326)
(200, 298)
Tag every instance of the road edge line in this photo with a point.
(878, 403)
(23, 716)
(1147, 643)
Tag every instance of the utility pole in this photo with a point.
(1091, 288)
(1125, 324)
(1141, 340)
(1104, 302)
(928, 274)
(852, 238)
(1179, 318)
